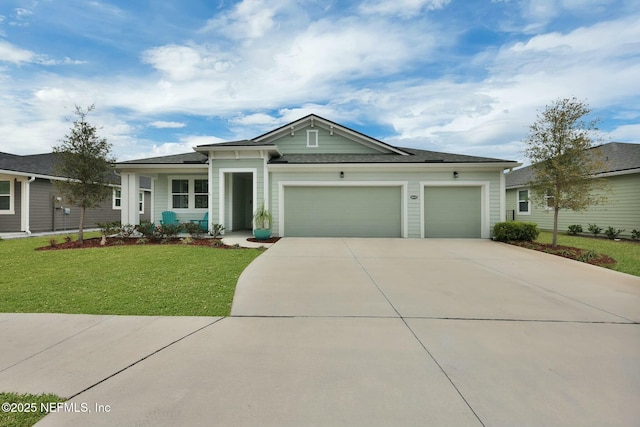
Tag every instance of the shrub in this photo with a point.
(194, 229)
(169, 231)
(217, 230)
(574, 229)
(587, 256)
(142, 241)
(148, 230)
(612, 233)
(53, 243)
(515, 231)
(594, 229)
(635, 234)
(68, 239)
(127, 230)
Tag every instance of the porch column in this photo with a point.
(129, 189)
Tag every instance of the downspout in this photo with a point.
(26, 204)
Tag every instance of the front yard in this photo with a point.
(626, 253)
(158, 280)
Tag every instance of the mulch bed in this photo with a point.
(270, 240)
(576, 254)
(113, 241)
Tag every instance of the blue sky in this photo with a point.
(445, 75)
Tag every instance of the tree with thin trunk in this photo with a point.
(84, 159)
(559, 147)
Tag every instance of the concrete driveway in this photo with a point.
(357, 332)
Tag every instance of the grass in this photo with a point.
(159, 280)
(627, 254)
(24, 409)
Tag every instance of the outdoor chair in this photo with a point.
(169, 218)
(204, 223)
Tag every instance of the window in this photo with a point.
(180, 194)
(201, 190)
(189, 193)
(117, 200)
(6, 196)
(312, 138)
(523, 202)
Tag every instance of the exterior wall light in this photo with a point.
(455, 174)
(341, 174)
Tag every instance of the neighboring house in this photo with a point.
(621, 211)
(319, 178)
(29, 202)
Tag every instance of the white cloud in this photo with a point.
(249, 19)
(12, 53)
(167, 125)
(404, 8)
(626, 133)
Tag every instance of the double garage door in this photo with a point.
(377, 211)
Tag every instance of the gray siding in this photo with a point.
(327, 143)
(622, 209)
(44, 216)
(11, 223)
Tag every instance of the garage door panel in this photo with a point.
(453, 212)
(358, 211)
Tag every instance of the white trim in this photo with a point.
(191, 195)
(485, 205)
(503, 199)
(403, 184)
(12, 195)
(313, 141)
(222, 193)
(25, 209)
(381, 167)
(528, 212)
(265, 183)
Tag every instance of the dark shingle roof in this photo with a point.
(416, 156)
(185, 158)
(43, 164)
(617, 157)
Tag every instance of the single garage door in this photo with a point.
(358, 211)
(452, 212)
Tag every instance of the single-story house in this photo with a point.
(621, 210)
(29, 202)
(319, 178)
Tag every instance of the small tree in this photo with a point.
(558, 146)
(84, 158)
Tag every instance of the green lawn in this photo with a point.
(166, 280)
(22, 410)
(626, 253)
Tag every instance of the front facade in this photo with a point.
(29, 202)
(622, 207)
(321, 179)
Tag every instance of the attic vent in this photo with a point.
(312, 138)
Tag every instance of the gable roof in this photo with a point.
(314, 120)
(387, 153)
(618, 157)
(42, 166)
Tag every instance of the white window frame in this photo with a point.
(12, 195)
(115, 206)
(200, 194)
(312, 142)
(141, 201)
(528, 201)
(191, 194)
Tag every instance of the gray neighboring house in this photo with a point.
(29, 202)
(621, 211)
(321, 179)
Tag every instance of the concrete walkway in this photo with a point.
(358, 332)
